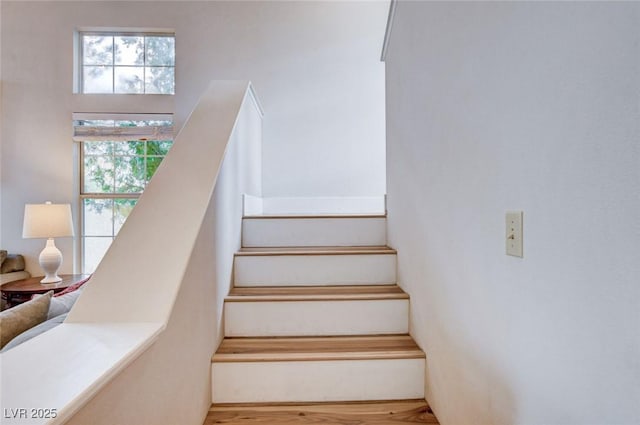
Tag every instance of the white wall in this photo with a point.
(314, 65)
(519, 106)
(170, 383)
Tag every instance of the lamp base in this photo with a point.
(51, 279)
(50, 261)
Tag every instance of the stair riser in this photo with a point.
(279, 232)
(316, 318)
(301, 381)
(283, 270)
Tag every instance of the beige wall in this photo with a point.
(315, 66)
(497, 106)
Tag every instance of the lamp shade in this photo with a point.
(47, 221)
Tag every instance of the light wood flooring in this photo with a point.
(350, 413)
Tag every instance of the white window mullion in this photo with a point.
(99, 84)
(113, 65)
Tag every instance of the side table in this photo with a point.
(19, 291)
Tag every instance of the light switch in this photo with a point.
(514, 233)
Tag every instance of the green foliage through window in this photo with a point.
(114, 174)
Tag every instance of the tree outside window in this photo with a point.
(114, 174)
(127, 63)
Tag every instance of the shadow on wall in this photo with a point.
(474, 394)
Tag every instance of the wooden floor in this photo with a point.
(354, 413)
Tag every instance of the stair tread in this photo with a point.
(367, 412)
(357, 347)
(311, 216)
(316, 293)
(316, 250)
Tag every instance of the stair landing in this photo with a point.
(351, 413)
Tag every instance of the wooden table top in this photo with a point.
(33, 284)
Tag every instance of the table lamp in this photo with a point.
(48, 221)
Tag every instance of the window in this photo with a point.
(118, 157)
(140, 63)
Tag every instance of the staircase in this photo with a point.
(315, 315)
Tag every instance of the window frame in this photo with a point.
(80, 58)
(113, 195)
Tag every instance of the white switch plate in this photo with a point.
(514, 233)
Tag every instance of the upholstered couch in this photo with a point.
(43, 312)
(11, 268)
